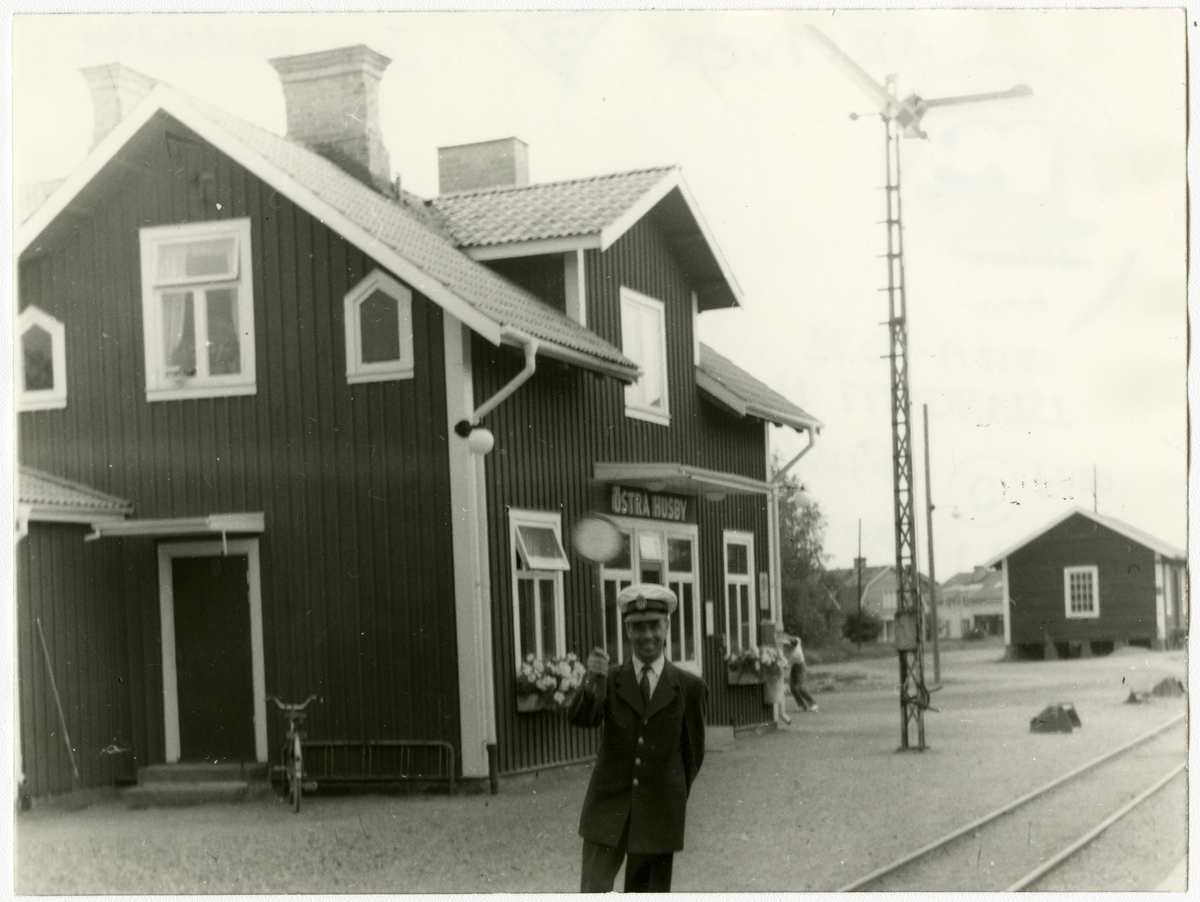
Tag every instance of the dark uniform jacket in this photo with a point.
(648, 759)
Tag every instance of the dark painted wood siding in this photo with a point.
(98, 609)
(353, 480)
(550, 434)
(1126, 578)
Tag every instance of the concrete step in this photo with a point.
(202, 792)
(202, 772)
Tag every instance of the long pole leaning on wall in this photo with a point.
(62, 719)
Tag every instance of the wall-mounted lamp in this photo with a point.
(715, 496)
(479, 438)
(656, 486)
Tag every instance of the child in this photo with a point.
(795, 654)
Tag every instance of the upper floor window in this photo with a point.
(1081, 591)
(198, 310)
(379, 342)
(741, 623)
(538, 561)
(644, 341)
(41, 361)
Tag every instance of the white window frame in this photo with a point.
(638, 311)
(521, 571)
(164, 386)
(733, 619)
(635, 528)
(55, 397)
(357, 370)
(1094, 611)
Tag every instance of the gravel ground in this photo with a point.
(806, 808)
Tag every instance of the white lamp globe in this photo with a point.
(481, 440)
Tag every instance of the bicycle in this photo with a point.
(292, 756)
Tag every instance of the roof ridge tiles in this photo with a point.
(533, 186)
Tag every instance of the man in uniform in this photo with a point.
(650, 752)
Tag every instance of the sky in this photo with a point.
(1045, 237)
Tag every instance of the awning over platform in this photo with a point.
(682, 479)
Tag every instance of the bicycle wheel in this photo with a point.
(297, 773)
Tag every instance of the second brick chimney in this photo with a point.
(503, 163)
(332, 100)
(116, 89)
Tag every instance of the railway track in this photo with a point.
(1017, 845)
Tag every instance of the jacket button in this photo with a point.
(641, 741)
(645, 722)
(637, 762)
(635, 781)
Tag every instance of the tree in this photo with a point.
(809, 593)
(864, 627)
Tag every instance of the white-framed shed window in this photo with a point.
(741, 625)
(644, 341)
(538, 561)
(198, 310)
(653, 551)
(41, 361)
(379, 341)
(1081, 591)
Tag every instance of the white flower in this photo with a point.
(559, 698)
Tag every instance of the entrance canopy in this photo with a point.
(681, 479)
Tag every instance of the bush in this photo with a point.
(862, 627)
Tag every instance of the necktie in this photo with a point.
(646, 685)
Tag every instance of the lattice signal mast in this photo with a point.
(903, 118)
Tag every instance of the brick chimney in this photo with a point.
(332, 100)
(116, 89)
(503, 163)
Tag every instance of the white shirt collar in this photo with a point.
(656, 666)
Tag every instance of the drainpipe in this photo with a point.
(776, 561)
(464, 428)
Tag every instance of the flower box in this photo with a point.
(744, 678)
(528, 704)
(548, 685)
(751, 666)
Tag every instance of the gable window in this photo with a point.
(538, 561)
(664, 554)
(644, 341)
(198, 310)
(740, 623)
(41, 361)
(379, 342)
(1081, 591)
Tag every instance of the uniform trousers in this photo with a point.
(643, 873)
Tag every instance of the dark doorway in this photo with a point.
(213, 666)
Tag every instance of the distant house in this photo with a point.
(878, 593)
(971, 601)
(1086, 582)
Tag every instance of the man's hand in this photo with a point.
(597, 662)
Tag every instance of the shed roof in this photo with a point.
(51, 497)
(1118, 526)
(734, 388)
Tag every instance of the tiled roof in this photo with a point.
(737, 389)
(412, 234)
(551, 210)
(48, 493)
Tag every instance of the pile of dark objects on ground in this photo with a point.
(1171, 687)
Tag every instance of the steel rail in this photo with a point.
(1070, 850)
(1006, 808)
